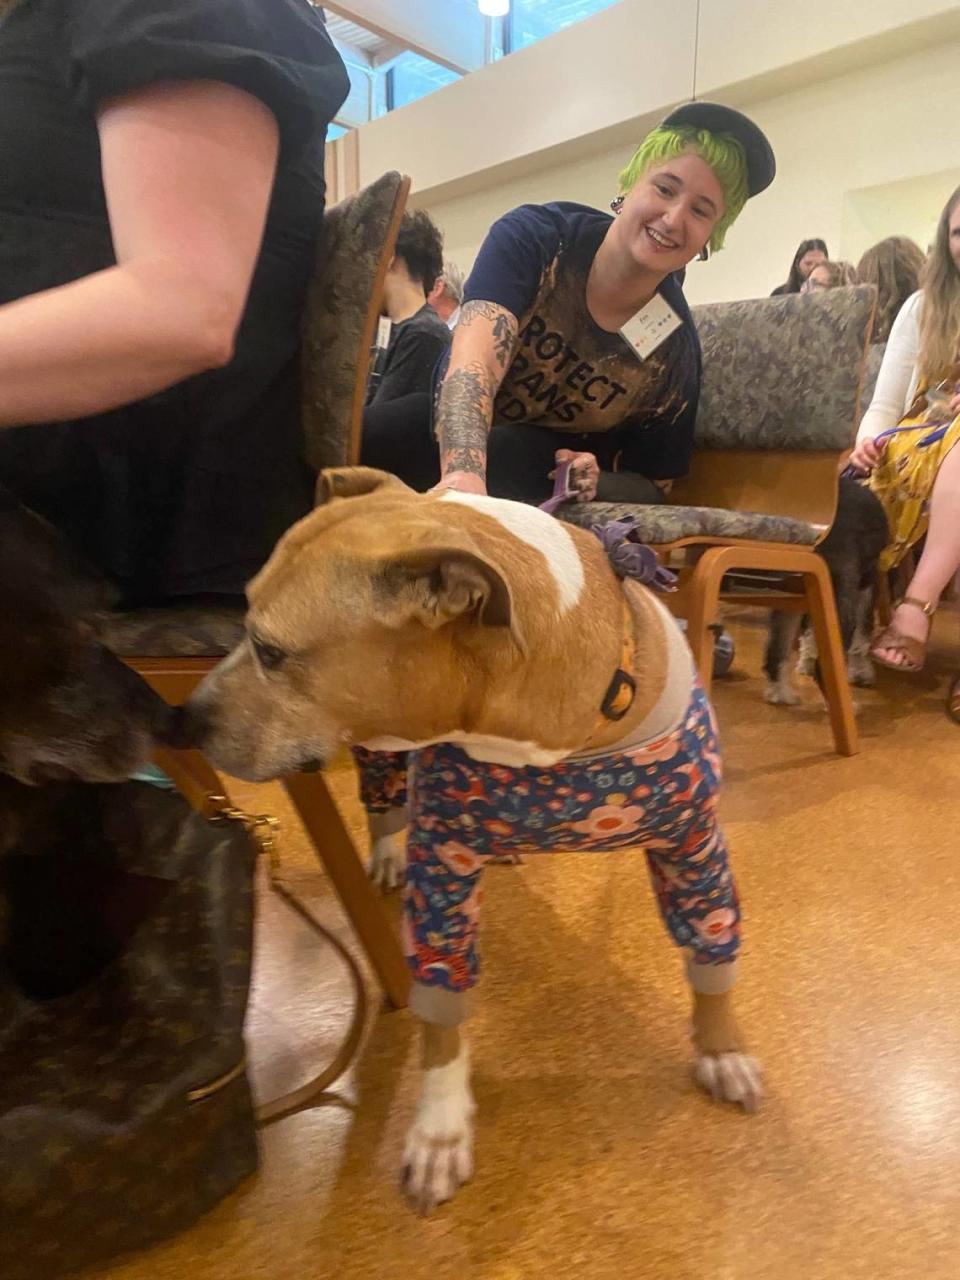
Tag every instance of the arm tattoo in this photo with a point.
(503, 326)
(466, 408)
(504, 333)
(477, 310)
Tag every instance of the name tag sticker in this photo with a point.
(652, 325)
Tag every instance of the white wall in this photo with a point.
(621, 69)
(866, 154)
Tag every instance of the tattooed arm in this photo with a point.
(483, 343)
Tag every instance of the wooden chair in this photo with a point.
(779, 408)
(174, 648)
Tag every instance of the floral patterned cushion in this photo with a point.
(783, 373)
(184, 631)
(352, 242)
(661, 524)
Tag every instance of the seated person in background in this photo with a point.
(540, 370)
(161, 194)
(894, 266)
(447, 294)
(906, 444)
(418, 337)
(809, 255)
(397, 434)
(830, 275)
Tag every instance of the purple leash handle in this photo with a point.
(562, 491)
(629, 557)
(632, 558)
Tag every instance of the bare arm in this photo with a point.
(187, 169)
(483, 343)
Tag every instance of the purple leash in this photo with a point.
(629, 557)
(562, 490)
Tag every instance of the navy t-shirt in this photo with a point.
(187, 490)
(568, 374)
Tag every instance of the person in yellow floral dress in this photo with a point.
(905, 445)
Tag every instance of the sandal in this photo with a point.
(915, 651)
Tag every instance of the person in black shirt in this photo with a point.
(161, 194)
(574, 341)
(396, 422)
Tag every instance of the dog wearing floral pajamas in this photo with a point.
(544, 705)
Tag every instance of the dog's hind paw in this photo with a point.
(436, 1165)
(730, 1077)
(781, 694)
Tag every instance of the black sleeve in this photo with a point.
(509, 267)
(277, 50)
(411, 360)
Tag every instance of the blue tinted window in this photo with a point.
(531, 20)
(335, 131)
(413, 77)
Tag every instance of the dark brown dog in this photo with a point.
(71, 713)
(69, 708)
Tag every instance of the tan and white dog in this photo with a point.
(394, 620)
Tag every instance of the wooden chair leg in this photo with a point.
(833, 664)
(704, 595)
(321, 818)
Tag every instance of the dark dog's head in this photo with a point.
(69, 709)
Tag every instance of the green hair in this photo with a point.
(721, 151)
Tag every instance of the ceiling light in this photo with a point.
(494, 8)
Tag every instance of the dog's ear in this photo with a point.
(353, 482)
(440, 584)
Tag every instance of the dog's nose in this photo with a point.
(185, 727)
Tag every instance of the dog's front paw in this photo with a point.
(781, 693)
(438, 1157)
(730, 1077)
(388, 860)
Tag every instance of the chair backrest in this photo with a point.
(779, 402)
(340, 323)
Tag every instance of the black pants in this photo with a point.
(398, 437)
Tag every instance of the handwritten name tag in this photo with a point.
(652, 325)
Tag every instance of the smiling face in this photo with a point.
(670, 214)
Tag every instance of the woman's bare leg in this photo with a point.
(940, 559)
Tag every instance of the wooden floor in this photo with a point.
(597, 1159)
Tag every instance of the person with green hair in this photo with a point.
(575, 342)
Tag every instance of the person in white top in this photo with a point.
(914, 470)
